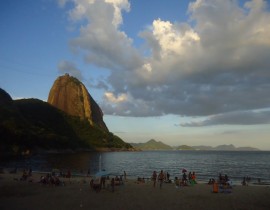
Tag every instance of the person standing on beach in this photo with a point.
(168, 177)
(112, 184)
(125, 175)
(161, 178)
(154, 178)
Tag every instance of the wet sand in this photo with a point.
(77, 194)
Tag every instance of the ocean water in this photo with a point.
(206, 164)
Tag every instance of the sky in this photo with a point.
(178, 71)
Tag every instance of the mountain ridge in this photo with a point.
(31, 126)
(159, 145)
(151, 145)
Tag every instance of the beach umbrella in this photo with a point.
(184, 170)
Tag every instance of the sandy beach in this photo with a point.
(77, 194)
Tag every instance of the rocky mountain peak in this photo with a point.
(72, 97)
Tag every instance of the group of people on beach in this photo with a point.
(246, 181)
(223, 184)
(161, 177)
(26, 174)
(165, 177)
(104, 182)
(186, 180)
(51, 180)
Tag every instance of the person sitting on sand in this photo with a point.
(226, 187)
(24, 176)
(140, 180)
(57, 181)
(44, 179)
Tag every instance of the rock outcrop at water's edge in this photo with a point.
(71, 96)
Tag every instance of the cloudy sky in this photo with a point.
(179, 71)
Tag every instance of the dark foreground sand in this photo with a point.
(78, 195)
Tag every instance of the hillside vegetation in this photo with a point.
(33, 125)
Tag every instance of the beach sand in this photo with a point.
(130, 196)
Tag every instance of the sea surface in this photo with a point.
(206, 164)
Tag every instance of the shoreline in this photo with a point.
(77, 173)
(29, 153)
(77, 194)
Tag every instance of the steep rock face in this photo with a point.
(71, 96)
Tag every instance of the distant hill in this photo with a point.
(184, 147)
(158, 145)
(225, 147)
(247, 149)
(202, 147)
(151, 145)
(33, 125)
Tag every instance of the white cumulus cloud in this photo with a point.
(216, 63)
(115, 99)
